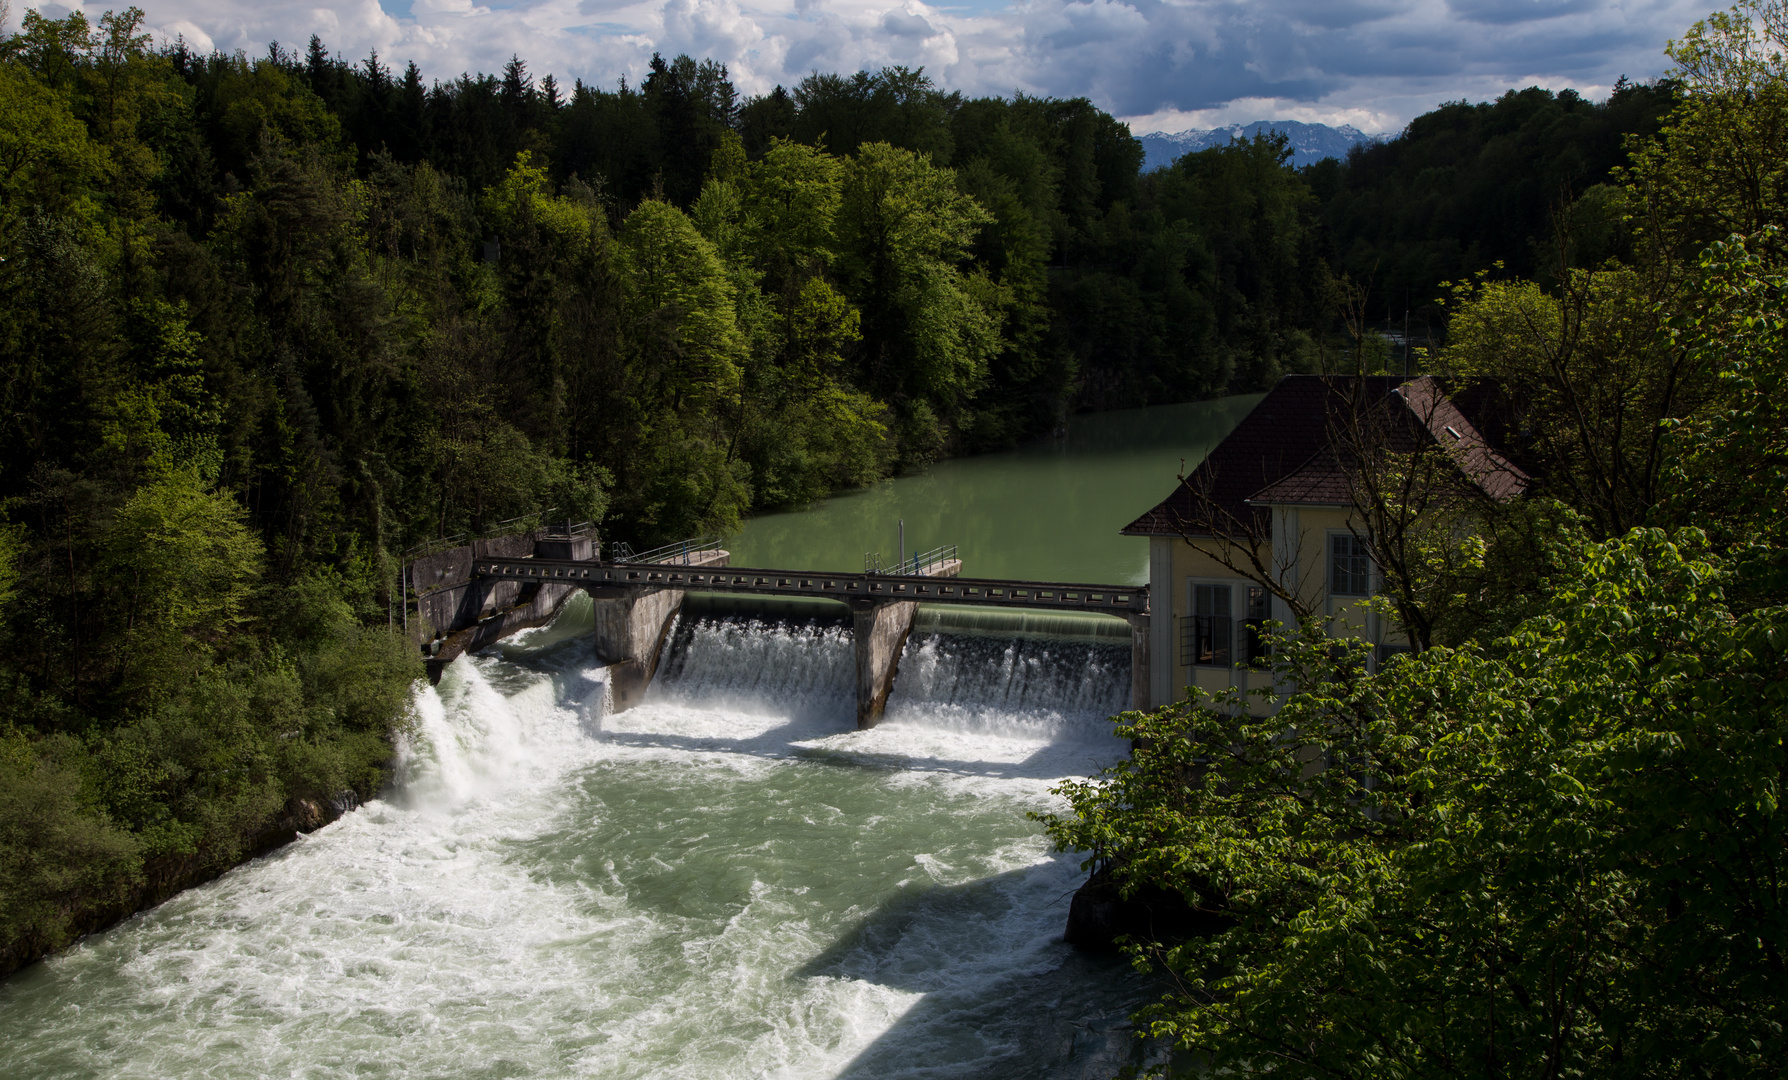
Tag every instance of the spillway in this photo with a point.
(726, 881)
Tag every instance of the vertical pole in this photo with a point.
(903, 543)
(1406, 343)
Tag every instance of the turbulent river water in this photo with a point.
(727, 881)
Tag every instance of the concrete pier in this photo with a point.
(632, 625)
(879, 629)
(1139, 659)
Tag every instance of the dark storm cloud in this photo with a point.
(1134, 57)
(1143, 56)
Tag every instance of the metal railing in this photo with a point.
(681, 553)
(502, 528)
(1049, 595)
(566, 530)
(919, 564)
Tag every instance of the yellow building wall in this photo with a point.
(1190, 567)
(1346, 615)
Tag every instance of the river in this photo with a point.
(727, 881)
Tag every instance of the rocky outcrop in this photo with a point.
(1099, 914)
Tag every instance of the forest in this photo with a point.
(267, 323)
(1548, 840)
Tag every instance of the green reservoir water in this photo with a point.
(726, 881)
(1047, 512)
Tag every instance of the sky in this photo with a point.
(1163, 65)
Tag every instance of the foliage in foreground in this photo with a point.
(1557, 849)
(1558, 855)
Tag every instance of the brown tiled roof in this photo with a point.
(1319, 481)
(1281, 433)
(1282, 452)
(1453, 431)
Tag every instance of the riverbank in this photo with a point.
(168, 875)
(222, 749)
(725, 881)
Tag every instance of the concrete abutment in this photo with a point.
(1139, 660)
(879, 630)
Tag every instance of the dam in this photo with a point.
(729, 878)
(474, 595)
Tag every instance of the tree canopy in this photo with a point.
(1547, 842)
(269, 322)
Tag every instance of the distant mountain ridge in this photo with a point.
(1310, 143)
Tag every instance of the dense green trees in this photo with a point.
(1469, 186)
(266, 323)
(1550, 844)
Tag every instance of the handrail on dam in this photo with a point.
(682, 553)
(919, 564)
(991, 592)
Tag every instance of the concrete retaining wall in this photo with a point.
(443, 597)
(449, 613)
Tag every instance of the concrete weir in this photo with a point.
(470, 597)
(632, 625)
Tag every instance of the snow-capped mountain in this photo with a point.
(1310, 143)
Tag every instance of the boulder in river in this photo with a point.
(1099, 914)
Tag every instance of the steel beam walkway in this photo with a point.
(984, 592)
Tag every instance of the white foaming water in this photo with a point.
(749, 665)
(727, 881)
(1016, 687)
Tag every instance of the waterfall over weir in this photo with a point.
(1031, 675)
(727, 880)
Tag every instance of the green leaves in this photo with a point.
(525, 197)
(680, 286)
(184, 559)
(904, 230)
(45, 155)
(1552, 854)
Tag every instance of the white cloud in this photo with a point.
(1158, 62)
(196, 39)
(444, 7)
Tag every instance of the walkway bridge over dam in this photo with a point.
(486, 594)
